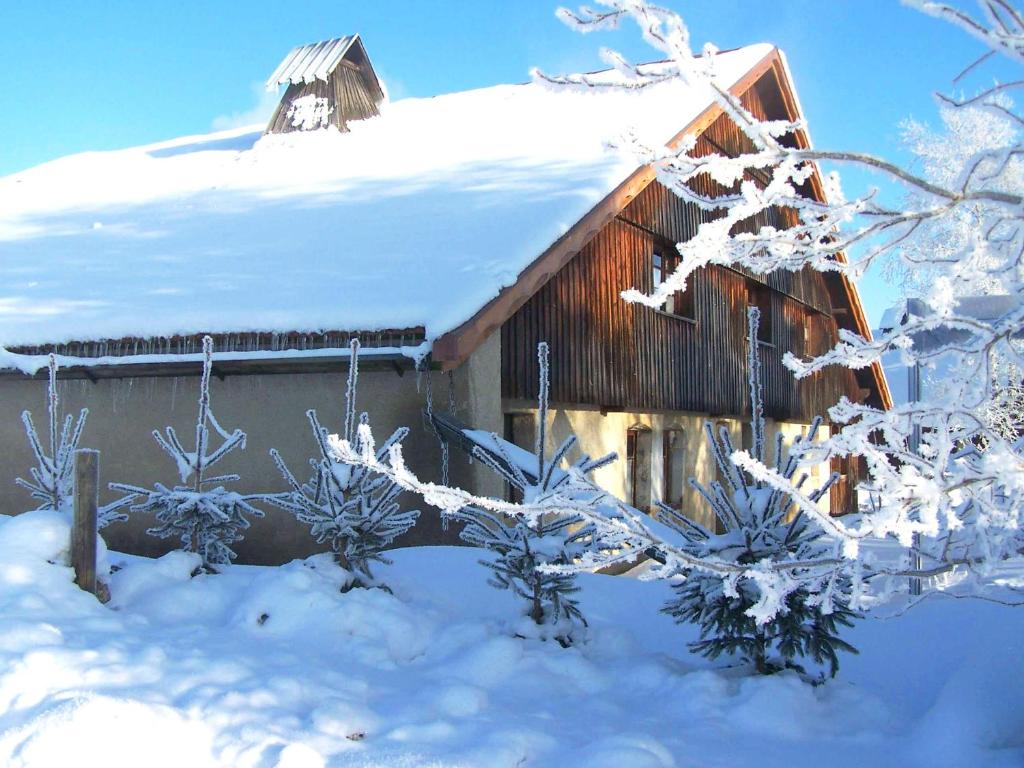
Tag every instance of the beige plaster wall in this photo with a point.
(602, 433)
(818, 473)
(481, 408)
(271, 410)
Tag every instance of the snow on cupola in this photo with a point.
(329, 83)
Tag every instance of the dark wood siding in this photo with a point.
(351, 92)
(607, 353)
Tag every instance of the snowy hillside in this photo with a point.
(274, 667)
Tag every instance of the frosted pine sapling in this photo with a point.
(52, 482)
(800, 615)
(533, 546)
(350, 508)
(207, 520)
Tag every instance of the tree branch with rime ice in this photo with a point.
(945, 472)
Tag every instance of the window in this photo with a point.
(817, 336)
(760, 296)
(638, 467)
(663, 263)
(674, 457)
(747, 437)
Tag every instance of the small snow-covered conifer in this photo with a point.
(349, 507)
(534, 547)
(52, 482)
(800, 614)
(207, 520)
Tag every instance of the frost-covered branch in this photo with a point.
(946, 468)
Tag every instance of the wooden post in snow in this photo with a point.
(83, 528)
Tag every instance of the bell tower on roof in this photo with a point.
(328, 83)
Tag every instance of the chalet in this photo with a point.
(450, 235)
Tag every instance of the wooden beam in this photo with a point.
(83, 530)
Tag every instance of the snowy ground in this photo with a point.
(274, 667)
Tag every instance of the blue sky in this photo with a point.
(103, 75)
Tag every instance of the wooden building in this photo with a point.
(328, 83)
(625, 378)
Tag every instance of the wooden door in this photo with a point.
(638, 462)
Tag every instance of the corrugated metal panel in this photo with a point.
(311, 62)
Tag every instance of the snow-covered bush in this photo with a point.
(207, 520)
(350, 508)
(798, 617)
(52, 483)
(532, 548)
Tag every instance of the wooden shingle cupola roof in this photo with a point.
(328, 83)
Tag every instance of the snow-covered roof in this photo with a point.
(310, 62)
(415, 218)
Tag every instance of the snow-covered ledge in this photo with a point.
(122, 365)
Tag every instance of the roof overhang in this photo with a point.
(234, 354)
(316, 61)
(223, 365)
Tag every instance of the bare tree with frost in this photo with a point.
(201, 513)
(350, 508)
(52, 483)
(759, 525)
(945, 472)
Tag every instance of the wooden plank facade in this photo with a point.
(350, 92)
(614, 355)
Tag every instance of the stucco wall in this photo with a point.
(603, 433)
(271, 410)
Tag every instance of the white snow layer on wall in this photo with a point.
(417, 217)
